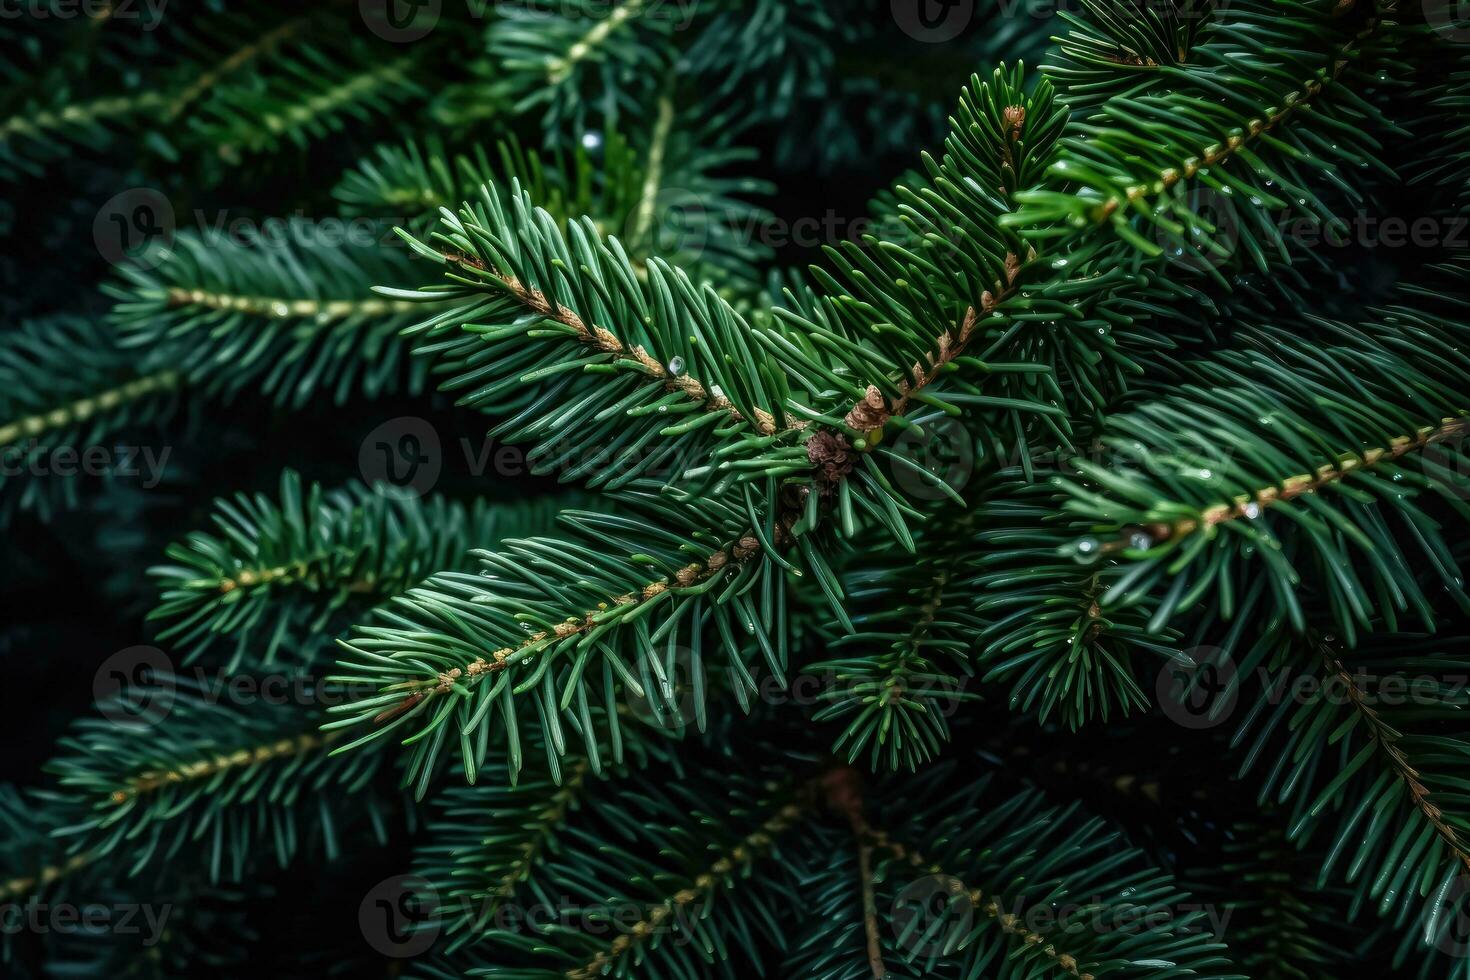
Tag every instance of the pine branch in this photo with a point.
(293, 316)
(1373, 733)
(1042, 625)
(281, 576)
(617, 611)
(894, 682)
(206, 773)
(697, 904)
(65, 386)
(1254, 64)
(1285, 453)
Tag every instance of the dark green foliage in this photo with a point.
(1082, 482)
(210, 782)
(629, 611)
(66, 386)
(276, 575)
(285, 311)
(1287, 453)
(1043, 628)
(1370, 737)
(896, 680)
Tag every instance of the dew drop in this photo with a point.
(1252, 510)
(1139, 541)
(592, 140)
(676, 366)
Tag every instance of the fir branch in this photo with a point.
(279, 574)
(261, 47)
(211, 772)
(1197, 466)
(292, 315)
(1387, 739)
(632, 357)
(752, 847)
(23, 887)
(1249, 506)
(152, 780)
(66, 386)
(87, 408)
(1376, 734)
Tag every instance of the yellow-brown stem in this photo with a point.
(151, 780)
(79, 114)
(991, 907)
(842, 788)
(871, 413)
(1252, 504)
(1387, 737)
(18, 887)
(751, 847)
(604, 340)
(558, 69)
(269, 306)
(553, 816)
(242, 56)
(1219, 152)
(690, 575)
(84, 409)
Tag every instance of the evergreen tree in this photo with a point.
(1059, 573)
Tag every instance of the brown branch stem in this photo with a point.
(1252, 504)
